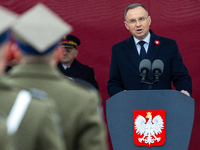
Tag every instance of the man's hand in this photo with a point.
(185, 92)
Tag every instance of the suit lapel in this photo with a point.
(131, 51)
(153, 48)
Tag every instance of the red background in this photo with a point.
(99, 25)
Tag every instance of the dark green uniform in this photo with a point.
(83, 127)
(31, 122)
(5, 142)
(37, 130)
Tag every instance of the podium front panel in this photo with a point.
(179, 117)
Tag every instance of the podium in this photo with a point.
(179, 117)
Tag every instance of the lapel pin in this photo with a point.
(157, 42)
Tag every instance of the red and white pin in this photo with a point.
(157, 42)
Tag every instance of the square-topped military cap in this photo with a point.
(40, 29)
(7, 18)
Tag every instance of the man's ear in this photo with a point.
(76, 53)
(126, 25)
(13, 53)
(4, 50)
(149, 20)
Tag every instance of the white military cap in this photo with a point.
(7, 18)
(39, 30)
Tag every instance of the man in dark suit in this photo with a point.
(70, 66)
(126, 57)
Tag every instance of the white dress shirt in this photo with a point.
(146, 45)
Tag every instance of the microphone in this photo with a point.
(144, 68)
(157, 69)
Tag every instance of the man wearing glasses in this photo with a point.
(144, 44)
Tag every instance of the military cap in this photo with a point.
(7, 18)
(39, 30)
(70, 41)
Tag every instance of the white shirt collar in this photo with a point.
(147, 39)
(146, 45)
(65, 67)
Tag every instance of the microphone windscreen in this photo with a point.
(145, 64)
(158, 64)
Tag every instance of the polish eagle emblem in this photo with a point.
(149, 128)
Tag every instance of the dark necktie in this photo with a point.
(142, 50)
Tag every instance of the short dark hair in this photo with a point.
(132, 6)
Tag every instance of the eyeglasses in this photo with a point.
(140, 20)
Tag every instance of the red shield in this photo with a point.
(149, 127)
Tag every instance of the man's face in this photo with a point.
(140, 28)
(68, 55)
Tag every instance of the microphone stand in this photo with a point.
(150, 82)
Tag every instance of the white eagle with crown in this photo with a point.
(149, 129)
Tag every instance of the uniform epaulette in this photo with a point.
(37, 93)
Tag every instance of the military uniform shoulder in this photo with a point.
(82, 65)
(39, 94)
(83, 93)
(83, 88)
(89, 68)
(75, 85)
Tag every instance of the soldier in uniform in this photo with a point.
(70, 66)
(28, 120)
(82, 125)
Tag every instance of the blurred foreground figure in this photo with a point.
(26, 119)
(38, 33)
